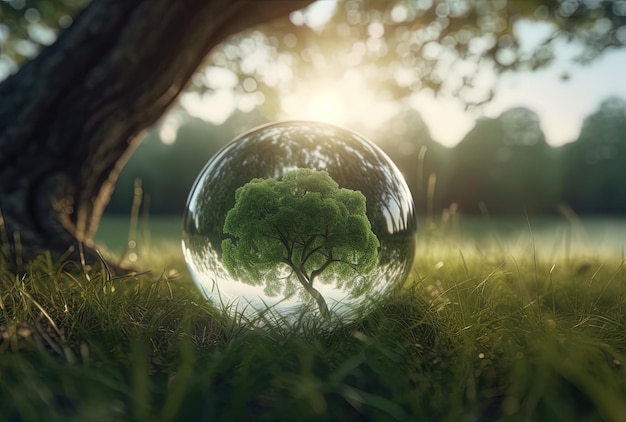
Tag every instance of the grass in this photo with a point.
(476, 334)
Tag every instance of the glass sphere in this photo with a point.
(298, 215)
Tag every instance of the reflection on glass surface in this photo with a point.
(269, 152)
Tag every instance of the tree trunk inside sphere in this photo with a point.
(70, 118)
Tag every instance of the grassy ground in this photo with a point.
(478, 333)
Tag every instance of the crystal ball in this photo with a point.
(299, 216)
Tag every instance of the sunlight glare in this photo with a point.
(347, 102)
(323, 106)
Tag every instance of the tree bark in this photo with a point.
(70, 118)
(308, 286)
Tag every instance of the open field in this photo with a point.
(529, 326)
(548, 235)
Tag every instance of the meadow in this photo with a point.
(499, 320)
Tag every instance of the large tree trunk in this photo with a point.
(70, 118)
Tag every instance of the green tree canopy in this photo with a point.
(448, 47)
(305, 224)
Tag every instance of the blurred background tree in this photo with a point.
(504, 166)
(395, 48)
(594, 174)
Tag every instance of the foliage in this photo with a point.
(593, 167)
(478, 334)
(306, 223)
(401, 47)
(504, 165)
(28, 25)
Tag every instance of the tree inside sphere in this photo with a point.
(297, 216)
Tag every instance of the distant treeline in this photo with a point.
(503, 166)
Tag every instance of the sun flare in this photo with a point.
(347, 101)
(326, 106)
(316, 103)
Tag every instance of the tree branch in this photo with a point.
(329, 260)
(285, 242)
(307, 244)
